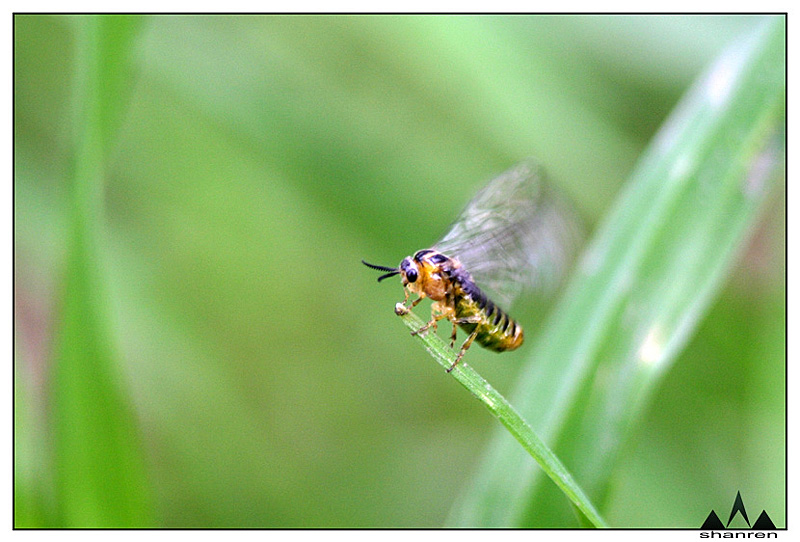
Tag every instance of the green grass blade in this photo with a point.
(509, 417)
(648, 276)
(99, 464)
(117, 35)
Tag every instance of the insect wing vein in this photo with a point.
(515, 236)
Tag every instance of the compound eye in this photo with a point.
(411, 275)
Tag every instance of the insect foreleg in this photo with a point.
(464, 348)
(401, 308)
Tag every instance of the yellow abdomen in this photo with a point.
(495, 329)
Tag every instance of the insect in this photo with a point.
(516, 235)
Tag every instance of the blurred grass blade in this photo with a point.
(31, 480)
(117, 34)
(509, 417)
(649, 275)
(99, 467)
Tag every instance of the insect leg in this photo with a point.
(439, 311)
(433, 322)
(401, 308)
(469, 320)
(457, 322)
(464, 348)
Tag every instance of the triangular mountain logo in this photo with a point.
(738, 506)
(713, 522)
(763, 522)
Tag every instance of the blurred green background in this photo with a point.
(249, 164)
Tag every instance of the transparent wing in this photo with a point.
(517, 235)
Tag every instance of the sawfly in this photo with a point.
(515, 236)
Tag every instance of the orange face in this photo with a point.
(422, 274)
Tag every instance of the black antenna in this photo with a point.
(379, 267)
(387, 275)
(392, 271)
